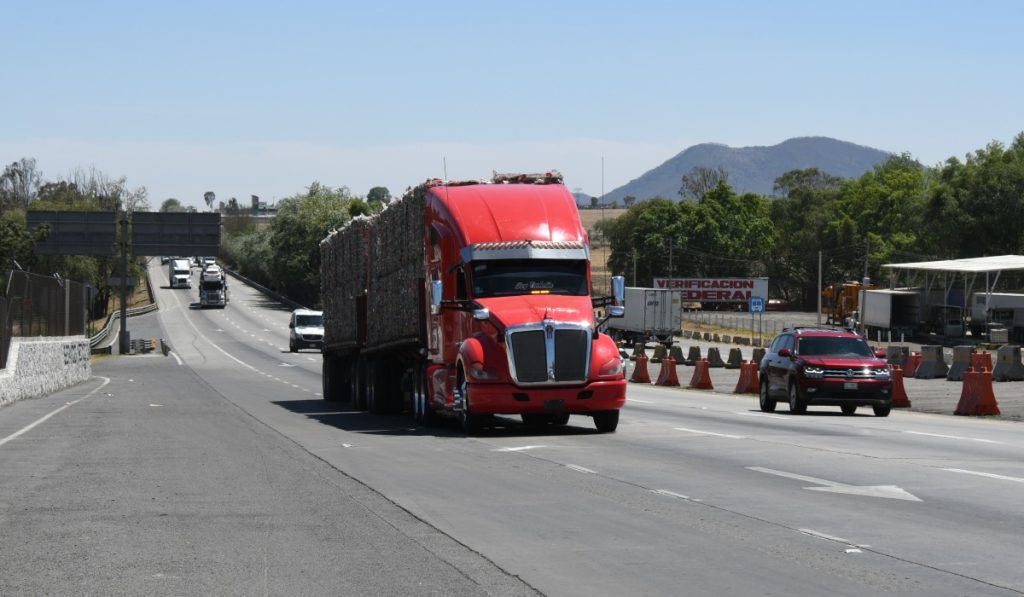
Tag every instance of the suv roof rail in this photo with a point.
(824, 328)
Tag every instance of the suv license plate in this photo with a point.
(850, 385)
(557, 404)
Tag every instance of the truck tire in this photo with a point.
(606, 421)
(471, 423)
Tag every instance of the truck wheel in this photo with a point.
(471, 423)
(606, 421)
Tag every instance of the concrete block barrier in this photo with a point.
(897, 355)
(676, 352)
(933, 364)
(693, 356)
(715, 358)
(638, 349)
(1008, 364)
(758, 355)
(659, 353)
(961, 362)
(735, 359)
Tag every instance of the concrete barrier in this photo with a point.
(1008, 364)
(693, 356)
(932, 365)
(659, 353)
(735, 359)
(897, 355)
(758, 355)
(676, 353)
(40, 366)
(961, 362)
(715, 358)
(638, 349)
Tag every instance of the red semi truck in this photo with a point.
(469, 300)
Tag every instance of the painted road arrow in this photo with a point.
(879, 491)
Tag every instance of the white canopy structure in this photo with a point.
(950, 269)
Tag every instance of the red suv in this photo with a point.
(830, 367)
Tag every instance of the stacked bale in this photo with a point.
(396, 271)
(342, 280)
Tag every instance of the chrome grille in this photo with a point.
(549, 352)
(858, 372)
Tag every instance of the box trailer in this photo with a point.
(652, 315)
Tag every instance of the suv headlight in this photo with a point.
(814, 372)
(881, 373)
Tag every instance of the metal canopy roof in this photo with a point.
(973, 265)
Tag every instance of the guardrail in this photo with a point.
(274, 295)
(115, 316)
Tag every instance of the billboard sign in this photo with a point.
(716, 290)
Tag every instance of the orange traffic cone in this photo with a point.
(899, 393)
(910, 367)
(667, 376)
(640, 374)
(977, 398)
(701, 379)
(981, 361)
(748, 381)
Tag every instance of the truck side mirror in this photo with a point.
(482, 314)
(436, 287)
(617, 309)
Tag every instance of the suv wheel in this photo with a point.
(882, 411)
(796, 404)
(849, 409)
(766, 403)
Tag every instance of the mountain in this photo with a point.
(754, 169)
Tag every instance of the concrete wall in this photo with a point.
(41, 366)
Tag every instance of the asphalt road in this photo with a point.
(228, 474)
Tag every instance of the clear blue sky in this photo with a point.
(263, 98)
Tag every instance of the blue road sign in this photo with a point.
(756, 304)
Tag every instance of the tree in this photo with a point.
(628, 201)
(19, 184)
(700, 180)
(171, 205)
(593, 203)
(209, 197)
(378, 195)
(807, 178)
(233, 209)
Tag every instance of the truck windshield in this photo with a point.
(529, 276)
(217, 285)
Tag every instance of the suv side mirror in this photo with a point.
(291, 324)
(880, 354)
(784, 352)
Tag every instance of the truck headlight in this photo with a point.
(612, 367)
(477, 371)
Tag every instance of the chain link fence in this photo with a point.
(37, 305)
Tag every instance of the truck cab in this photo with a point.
(213, 287)
(512, 328)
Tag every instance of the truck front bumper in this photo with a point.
(509, 399)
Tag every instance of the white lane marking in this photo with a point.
(39, 421)
(580, 469)
(639, 401)
(517, 448)
(824, 536)
(176, 357)
(699, 432)
(969, 439)
(156, 404)
(285, 365)
(317, 394)
(988, 475)
(310, 359)
(879, 491)
(670, 494)
(346, 445)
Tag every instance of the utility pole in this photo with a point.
(124, 344)
(864, 290)
(819, 287)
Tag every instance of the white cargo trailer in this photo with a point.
(652, 314)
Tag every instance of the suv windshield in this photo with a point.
(830, 346)
(529, 276)
(309, 320)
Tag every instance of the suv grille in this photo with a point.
(549, 353)
(851, 372)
